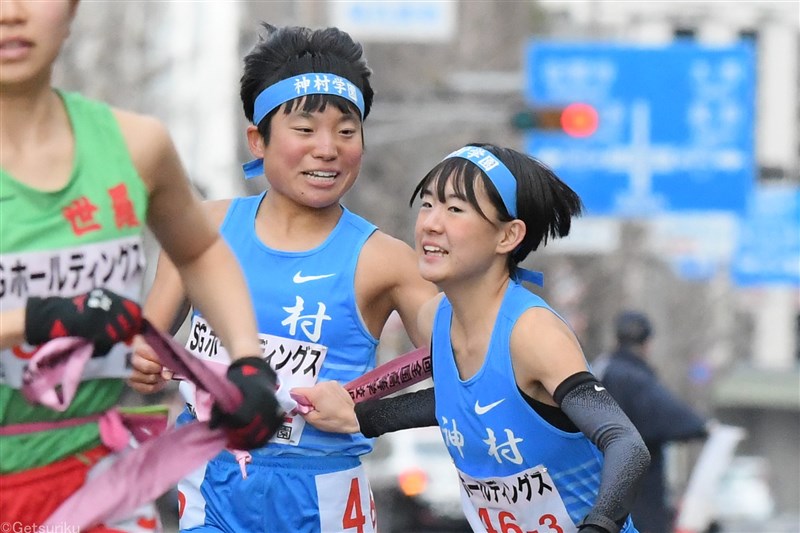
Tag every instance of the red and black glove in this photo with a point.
(260, 415)
(102, 316)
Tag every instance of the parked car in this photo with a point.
(414, 483)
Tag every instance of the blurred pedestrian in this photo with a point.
(660, 415)
(323, 279)
(78, 181)
(538, 444)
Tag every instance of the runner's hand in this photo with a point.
(260, 415)
(101, 316)
(148, 375)
(333, 409)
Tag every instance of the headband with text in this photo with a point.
(502, 178)
(296, 87)
(506, 184)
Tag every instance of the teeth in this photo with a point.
(321, 174)
(433, 250)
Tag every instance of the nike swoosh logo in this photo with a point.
(482, 410)
(300, 278)
(598, 388)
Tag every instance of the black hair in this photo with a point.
(544, 203)
(292, 50)
(632, 328)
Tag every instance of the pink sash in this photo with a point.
(142, 474)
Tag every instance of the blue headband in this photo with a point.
(502, 178)
(506, 184)
(296, 87)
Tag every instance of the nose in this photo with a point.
(430, 220)
(11, 12)
(325, 146)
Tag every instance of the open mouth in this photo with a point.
(434, 250)
(321, 175)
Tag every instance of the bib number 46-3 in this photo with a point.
(507, 523)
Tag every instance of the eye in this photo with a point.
(348, 127)
(303, 129)
(455, 209)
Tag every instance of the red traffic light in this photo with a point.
(579, 120)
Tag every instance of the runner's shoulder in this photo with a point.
(216, 210)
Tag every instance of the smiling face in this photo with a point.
(31, 35)
(454, 242)
(313, 158)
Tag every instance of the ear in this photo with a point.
(512, 234)
(255, 142)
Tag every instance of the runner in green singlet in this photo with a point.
(78, 183)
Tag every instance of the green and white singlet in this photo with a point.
(87, 234)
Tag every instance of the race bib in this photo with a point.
(345, 502)
(116, 264)
(526, 502)
(297, 364)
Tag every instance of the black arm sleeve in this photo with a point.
(625, 457)
(410, 410)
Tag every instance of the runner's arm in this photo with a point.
(334, 410)
(210, 272)
(405, 411)
(387, 270)
(625, 457)
(12, 328)
(166, 307)
(166, 304)
(546, 354)
(211, 275)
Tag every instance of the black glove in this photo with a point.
(260, 415)
(103, 317)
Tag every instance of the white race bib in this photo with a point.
(526, 502)
(297, 364)
(345, 502)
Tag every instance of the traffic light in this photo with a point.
(576, 120)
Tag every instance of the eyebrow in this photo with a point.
(346, 116)
(427, 192)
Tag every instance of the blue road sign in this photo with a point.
(675, 129)
(769, 239)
